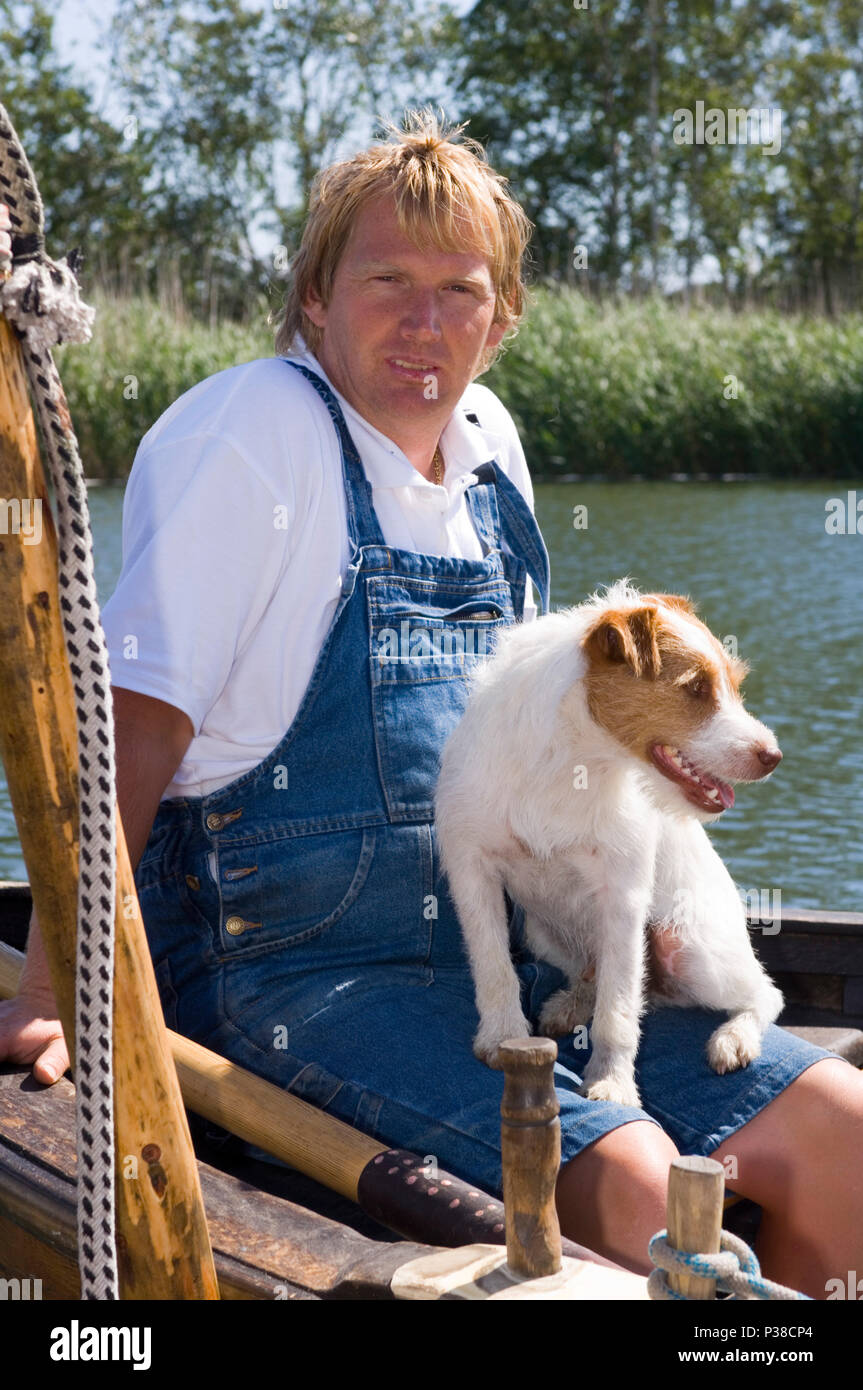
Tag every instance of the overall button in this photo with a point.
(215, 821)
(193, 881)
(235, 926)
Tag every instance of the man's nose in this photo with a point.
(421, 318)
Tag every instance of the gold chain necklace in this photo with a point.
(437, 462)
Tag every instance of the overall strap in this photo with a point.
(523, 534)
(363, 525)
(518, 524)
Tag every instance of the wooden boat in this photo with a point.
(210, 1223)
(277, 1234)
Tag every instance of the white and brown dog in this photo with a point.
(595, 743)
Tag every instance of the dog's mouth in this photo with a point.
(703, 790)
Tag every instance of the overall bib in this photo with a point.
(298, 918)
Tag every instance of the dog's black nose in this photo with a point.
(770, 757)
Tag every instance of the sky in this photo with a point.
(76, 29)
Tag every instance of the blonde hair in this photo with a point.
(446, 195)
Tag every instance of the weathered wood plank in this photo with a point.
(264, 1246)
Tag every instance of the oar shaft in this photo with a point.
(289, 1128)
(394, 1186)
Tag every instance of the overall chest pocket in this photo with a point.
(426, 640)
(281, 893)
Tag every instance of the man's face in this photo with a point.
(405, 329)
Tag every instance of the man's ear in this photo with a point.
(626, 636)
(315, 309)
(495, 334)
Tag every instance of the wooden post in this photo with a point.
(530, 1147)
(694, 1217)
(163, 1243)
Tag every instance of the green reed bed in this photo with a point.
(139, 360)
(636, 388)
(642, 388)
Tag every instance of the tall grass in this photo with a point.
(649, 389)
(645, 389)
(140, 359)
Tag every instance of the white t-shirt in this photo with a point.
(235, 541)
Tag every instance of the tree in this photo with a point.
(238, 109)
(90, 177)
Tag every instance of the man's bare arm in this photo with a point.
(151, 738)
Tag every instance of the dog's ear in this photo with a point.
(681, 601)
(629, 636)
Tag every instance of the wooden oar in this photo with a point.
(396, 1187)
(247, 1105)
(163, 1243)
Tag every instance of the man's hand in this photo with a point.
(30, 1033)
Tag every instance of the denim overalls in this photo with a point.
(298, 918)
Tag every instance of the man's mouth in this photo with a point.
(703, 790)
(407, 366)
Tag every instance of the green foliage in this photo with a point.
(140, 359)
(90, 177)
(643, 389)
(239, 108)
(223, 111)
(595, 390)
(579, 105)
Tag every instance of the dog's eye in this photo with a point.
(700, 688)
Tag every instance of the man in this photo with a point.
(300, 535)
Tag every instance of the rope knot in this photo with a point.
(42, 299)
(734, 1268)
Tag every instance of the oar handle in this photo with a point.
(404, 1191)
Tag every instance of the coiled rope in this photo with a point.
(41, 299)
(734, 1267)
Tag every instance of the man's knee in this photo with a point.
(611, 1196)
(635, 1156)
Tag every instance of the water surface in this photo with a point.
(759, 563)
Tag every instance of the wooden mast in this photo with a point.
(163, 1243)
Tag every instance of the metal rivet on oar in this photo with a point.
(694, 1217)
(530, 1150)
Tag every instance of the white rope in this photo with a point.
(734, 1267)
(41, 299)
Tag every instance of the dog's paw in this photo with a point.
(486, 1044)
(613, 1089)
(614, 1083)
(734, 1045)
(568, 1009)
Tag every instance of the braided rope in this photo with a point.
(734, 1267)
(41, 299)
